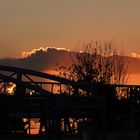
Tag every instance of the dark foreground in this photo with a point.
(112, 135)
(37, 137)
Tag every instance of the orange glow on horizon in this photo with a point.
(10, 89)
(135, 55)
(134, 79)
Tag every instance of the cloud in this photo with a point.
(45, 59)
(40, 59)
(40, 50)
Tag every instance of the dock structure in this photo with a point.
(25, 96)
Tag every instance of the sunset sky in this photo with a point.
(26, 25)
(29, 24)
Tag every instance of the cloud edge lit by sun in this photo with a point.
(26, 54)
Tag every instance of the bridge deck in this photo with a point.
(37, 103)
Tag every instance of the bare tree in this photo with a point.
(99, 66)
(98, 63)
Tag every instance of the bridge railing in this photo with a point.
(122, 91)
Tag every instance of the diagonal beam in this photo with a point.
(38, 74)
(26, 85)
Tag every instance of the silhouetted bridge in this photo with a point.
(24, 94)
(30, 98)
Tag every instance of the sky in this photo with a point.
(29, 24)
(49, 60)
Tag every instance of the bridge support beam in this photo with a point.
(20, 89)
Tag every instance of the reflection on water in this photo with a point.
(34, 125)
(34, 129)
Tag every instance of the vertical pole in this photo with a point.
(60, 89)
(4, 87)
(20, 90)
(41, 85)
(57, 124)
(52, 88)
(49, 122)
(29, 124)
(69, 90)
